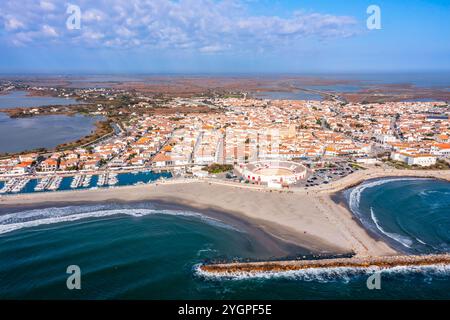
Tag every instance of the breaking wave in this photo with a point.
(333, 274)
(431, 192)
(37, 217)
(405, 241)
(354, 199)
(355, 194)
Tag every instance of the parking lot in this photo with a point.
(315, 177)
(327, 175)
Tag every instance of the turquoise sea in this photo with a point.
(148, 251)
(412, 214)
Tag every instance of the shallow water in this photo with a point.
(16, 99)
(19, 134)
(412, 214)
(281, 95)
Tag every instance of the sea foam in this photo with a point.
(37, 217)
(355, 194)
(332, 274)
(405, 241)
(354, 199)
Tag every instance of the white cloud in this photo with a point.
(13, 23)
(212, 49)
(47, 5)
(22, 38)
(92, 35)
(93, 15)
(208, 26)
(124, 32)
(49, 31)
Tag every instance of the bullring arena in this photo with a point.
(273, 172)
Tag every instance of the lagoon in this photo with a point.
(288, 95)
(16, 99)
(20, 134)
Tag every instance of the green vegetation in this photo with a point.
(218, 168)
(231, 95)
(356, 166)
(6, 155)
(102, 128)
(397, 164)
(125, 99)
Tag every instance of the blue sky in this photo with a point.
(230, 36)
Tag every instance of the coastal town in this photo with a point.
(218, 135)
(225, 158)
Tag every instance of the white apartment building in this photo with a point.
(422, 160)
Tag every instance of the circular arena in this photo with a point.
(273, 172)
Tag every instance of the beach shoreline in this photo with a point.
(264, 243)
(184, 196)
(361, 176)
(310, 219)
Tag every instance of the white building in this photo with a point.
(273, 172)
(441, 150)
(385, 138)
(367, 160)
(422, 160)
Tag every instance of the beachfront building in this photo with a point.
(68, 164)
(272, 173)
(7, 165)
(29, 157)
(49, 165)
(21, 168)
(422, 160)
(162, 160)
(93, 164)
(441, 150)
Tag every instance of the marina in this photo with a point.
(55, 183)
(76, 181)
(112, 179)
(42, 184)
(87, 181)
(14, 185)
(291, 154)
(102, 179)
(79, 181)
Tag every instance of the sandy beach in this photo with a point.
(306, 218)
(374, 173)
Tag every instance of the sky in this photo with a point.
(223, 36)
